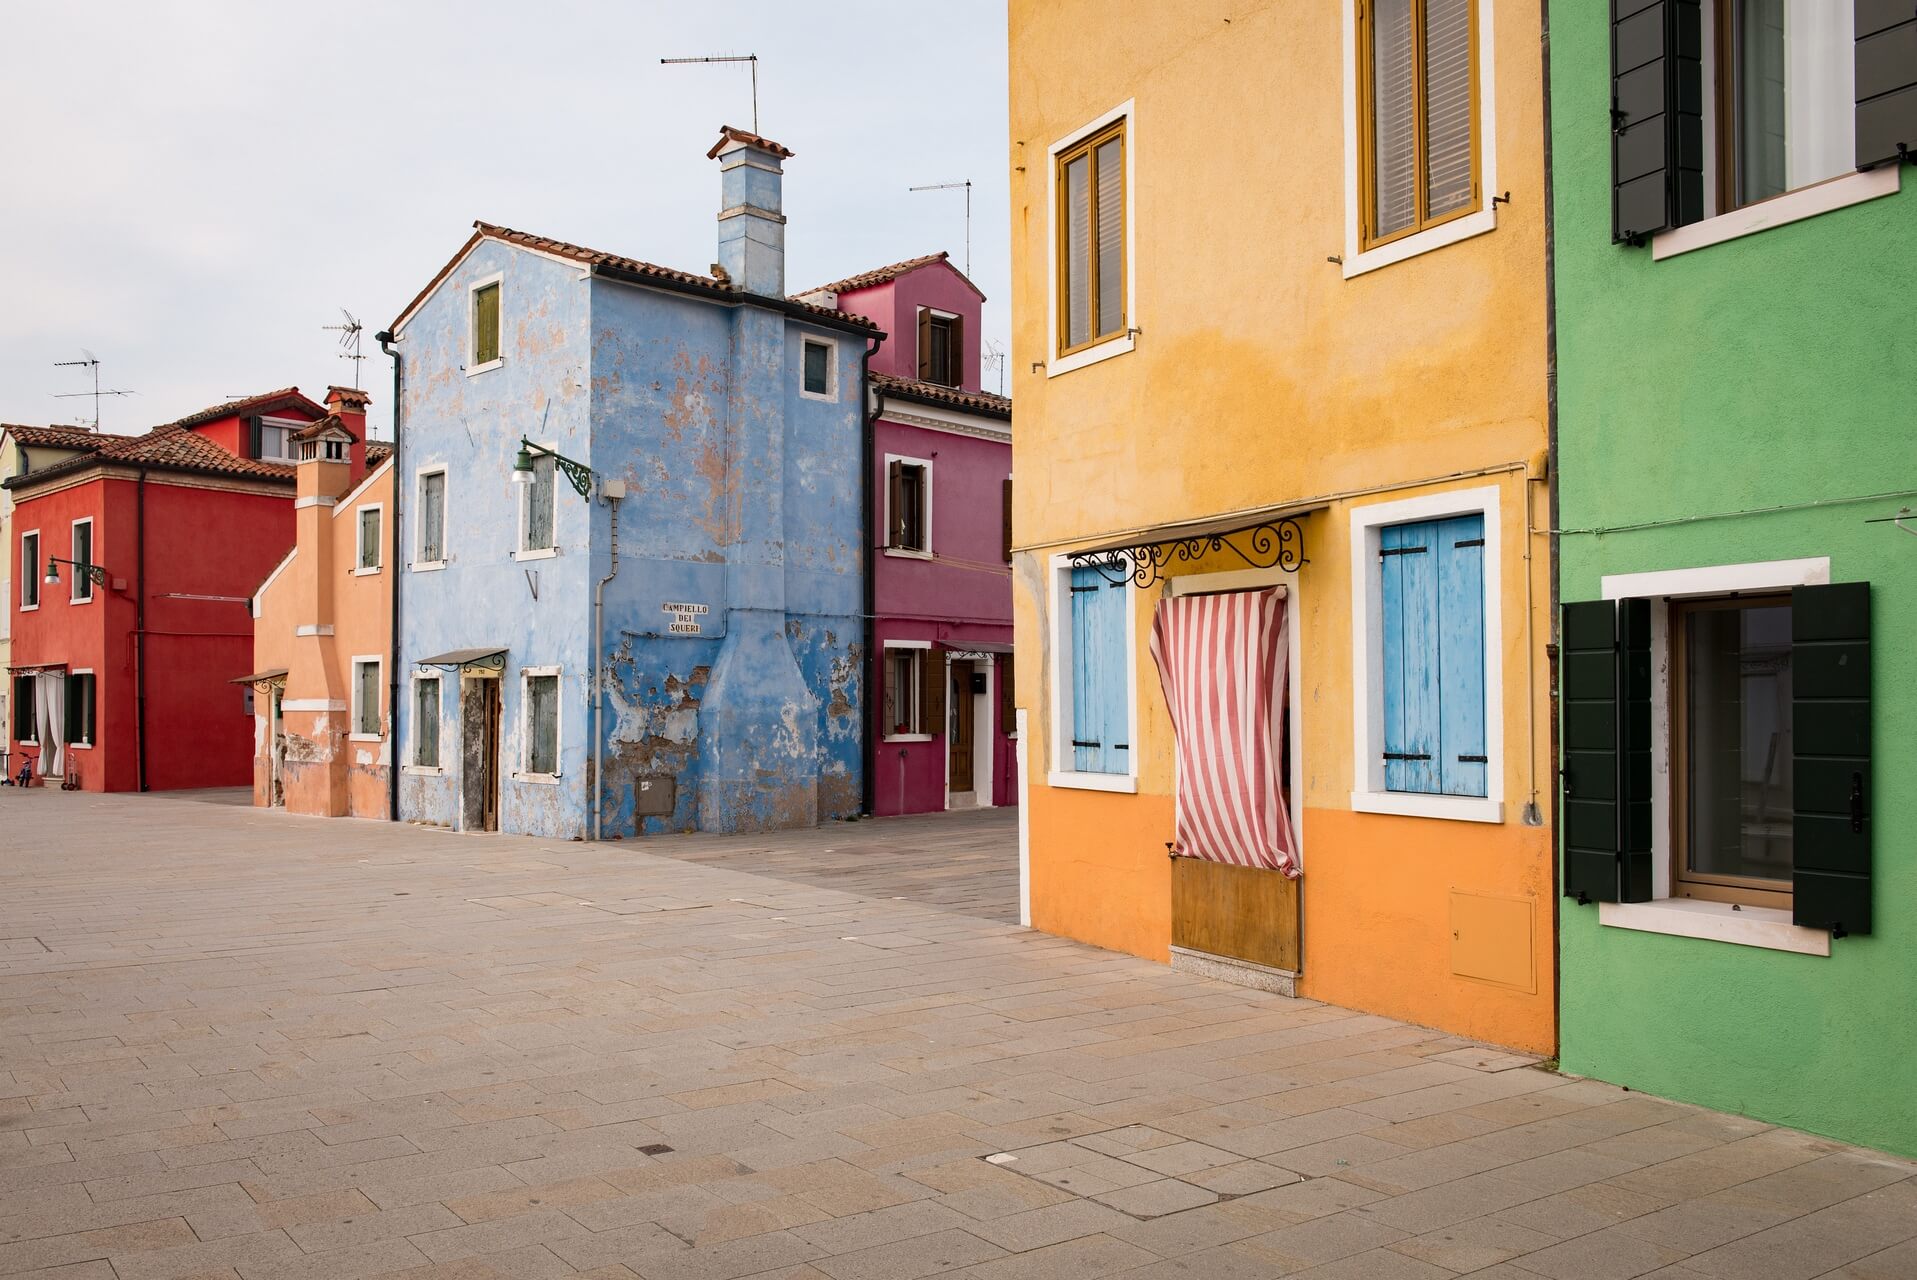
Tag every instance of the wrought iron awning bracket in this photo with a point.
(1271, 544)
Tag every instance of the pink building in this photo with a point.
(941, 728)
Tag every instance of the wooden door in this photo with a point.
(276, 718)
(489, 757)
(959, 735)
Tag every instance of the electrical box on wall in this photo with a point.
(654, 797)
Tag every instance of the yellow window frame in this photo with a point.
(1367, 132)
(1087, 147)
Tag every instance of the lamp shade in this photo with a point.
(53, 573)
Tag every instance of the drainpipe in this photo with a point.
(139, 637)
(385, 340)
(599, 676)
(868, 441)
(1551, 491)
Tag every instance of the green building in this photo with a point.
(1736, 354)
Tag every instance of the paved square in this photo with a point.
(244, 1044)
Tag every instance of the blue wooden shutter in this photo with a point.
(1087, 725)
(1458, 545)
(1409, 595)
(1114, 695)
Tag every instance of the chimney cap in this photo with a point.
(730, 136)
(348, 397)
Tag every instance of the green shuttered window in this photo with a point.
(369, 537)
(366, 698)
(542, 724)
(426, 722)
(486, 323)
(1431, 593)
(1101, 686)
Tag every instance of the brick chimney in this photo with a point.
(751, 226)
(349, 403)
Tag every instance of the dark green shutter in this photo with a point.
(253, 435)
(1886, 81)
(1830, 732)
(1634, 749)
(1657, 123)
(1588, 701)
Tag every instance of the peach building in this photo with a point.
(323, 629)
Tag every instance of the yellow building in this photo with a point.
(1280, 322)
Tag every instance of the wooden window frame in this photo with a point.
(1087, 147)
(918, 655)
(1421, 219)
(357, 730)
(439, 692)
(82, 591)
(526, 677)
(829, 392)
(30, 571)
(896, 464)
(1748, 891)
(497, 283)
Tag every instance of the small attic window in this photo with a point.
(485, 325)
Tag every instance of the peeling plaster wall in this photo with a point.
(538, 609)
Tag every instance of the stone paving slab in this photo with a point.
(249, 1045)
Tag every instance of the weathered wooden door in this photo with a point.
(276, 724)
(959, 735)
(489, 748)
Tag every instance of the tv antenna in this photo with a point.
(752, 58)
(954, 186)
(91, 362)
(993, 357)
(348, 330)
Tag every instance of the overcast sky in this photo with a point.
(191, 190)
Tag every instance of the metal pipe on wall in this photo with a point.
(599, 676)
(385, 340)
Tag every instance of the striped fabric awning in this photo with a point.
(1222, 662)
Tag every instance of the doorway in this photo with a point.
(959, 749)
(276, 745)
(479, 713)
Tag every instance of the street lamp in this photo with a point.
(578, 472)
(92, 572)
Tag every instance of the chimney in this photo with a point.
(349, 405)
(751, 227)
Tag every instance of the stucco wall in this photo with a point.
(1262, 375)
(1766, 371)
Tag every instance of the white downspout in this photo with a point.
(611, 491)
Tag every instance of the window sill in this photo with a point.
(1114, 346)
(1445, 233)
(488, 367)
(424, 770)
(428, 566)
(1407, 804)
(902, 553)
(29, 608)
(824, 397)
(79, 746)
(544, 553)
(908, 737)
(365, 573)
(543, 779)
(366, 737)
(1767, 927)
(83, 600)
(1792, 206)
(1072, 780)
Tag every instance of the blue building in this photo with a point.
(711, 570)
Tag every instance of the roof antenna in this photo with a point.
(348, 331)
(753, 58)
(992, 356)
(91, 362)
(954, 186)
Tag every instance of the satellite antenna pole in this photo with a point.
(752, 58)
(91, 362)
(954, 186)
(348, 330)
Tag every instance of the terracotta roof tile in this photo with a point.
(981, 402)
(246, 404)
(54, 437)
(878, 275)
(350, 397)
(728, 133)
(376, 454)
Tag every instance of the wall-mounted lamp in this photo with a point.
(92, 572)
(578, 472)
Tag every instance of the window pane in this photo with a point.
(426, 723)
(542, 717)
(1738, 742)
(912, 504)
(432, 517)
(939, 331)
(817, 372)
(539, 495)
(1793, 75)
(1078, 234)
(1394, 149)
(1110, 168)
(486, 324)
(1447, 105)
(30, 570)
(83, 554)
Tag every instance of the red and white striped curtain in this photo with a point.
(1222, 661)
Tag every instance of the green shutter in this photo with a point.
(486, 324)
(1830, 731)
(1588, 781)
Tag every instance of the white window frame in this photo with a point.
(1368, 791)
(925, 647)
(1767, 927)
(525, 509)
(37, 574)
(93, 558)
(1357, 260)
(472, 366)
(925, 500)
(288, 425)
(831, 392)
(88, 744)
(1062, 772)
(445, 517)
(412, 746)
(1286, 580)
(379, 549)
(378, 662)
(524, 773)
(1119, 343)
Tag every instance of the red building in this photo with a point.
(135, 559)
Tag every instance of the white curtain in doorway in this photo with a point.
(50, 706)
